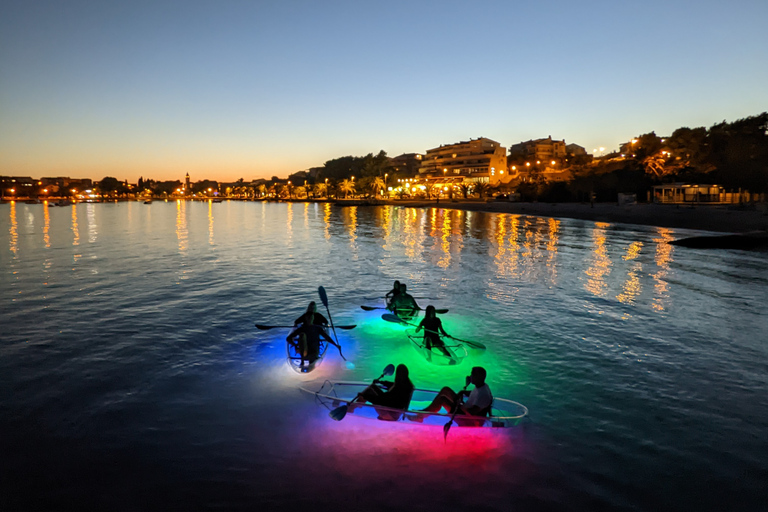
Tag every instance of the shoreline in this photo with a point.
(717, 218)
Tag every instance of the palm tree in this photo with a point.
(481, 189)
(377, 185)
(347, 186)
(320, 190)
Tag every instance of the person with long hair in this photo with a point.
(433, 327)
(394, 292)
(394, 395)
(318, 319)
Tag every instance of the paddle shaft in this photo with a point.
(473, 344)
(267, 327)
(447, 426)
(324, 298)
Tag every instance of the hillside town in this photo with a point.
(727, 163)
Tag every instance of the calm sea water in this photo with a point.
(132, 376)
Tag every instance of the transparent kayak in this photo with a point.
(448, 355)
(504, 413)
(294, 356)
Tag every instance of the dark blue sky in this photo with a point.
(231, 89)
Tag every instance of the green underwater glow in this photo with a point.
(379, 343)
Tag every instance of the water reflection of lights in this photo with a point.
(327, 220)
(350, 220)
(289, 223)
(554, 231)
(46, 226)
(663, 258)
(181, 226)
(210, 223)
(13, 231)
(601, 263)
(90, 215)
(75, 232)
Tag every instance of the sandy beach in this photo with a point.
(723, 219)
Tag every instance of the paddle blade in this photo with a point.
(388, 370)
(446, 428)
(350, 365)
(369, 308)
(264, 327)
(338, 413)
(441, 311)
(323, 296)
(389, 317)
(473, 344)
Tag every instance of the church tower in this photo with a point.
(187, 188)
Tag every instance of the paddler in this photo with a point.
(433, 327)
(403, 304)
(394, 292)
(318, 318)
(306, 338)
(397, 395)
(478, 404)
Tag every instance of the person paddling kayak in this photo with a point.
(394, 292)
(433, 327)
(318, 318)
(403, 304)
(397, 395)
(478, 404)
(306, 338)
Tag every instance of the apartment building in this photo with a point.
(479, 160)
(544, 150)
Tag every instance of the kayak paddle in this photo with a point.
(371, 308)
(267, 327)
(447, 426)
(396, 319)
(338, 413)
(324, 298)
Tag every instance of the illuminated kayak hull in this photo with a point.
(295, 360)
(504, 413)
(448, 355)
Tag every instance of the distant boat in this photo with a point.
(148, 202)
(63, 202)
(217, 200)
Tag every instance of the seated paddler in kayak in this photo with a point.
(433, 327)
(394, 395)
(306, 338)
(318, 318)
(394, 292)
(478, 404)
(403, 304)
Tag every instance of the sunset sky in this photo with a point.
(250, 89)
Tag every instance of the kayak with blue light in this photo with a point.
(303, 364)
(505, 413)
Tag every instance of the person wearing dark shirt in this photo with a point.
(318, 318)
(433, 327)
(404, 305)
(394, 292)
(306, 338)
(394, 395)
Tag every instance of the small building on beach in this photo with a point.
(687, 193)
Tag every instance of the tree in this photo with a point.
(347, 187)
(377, 185)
